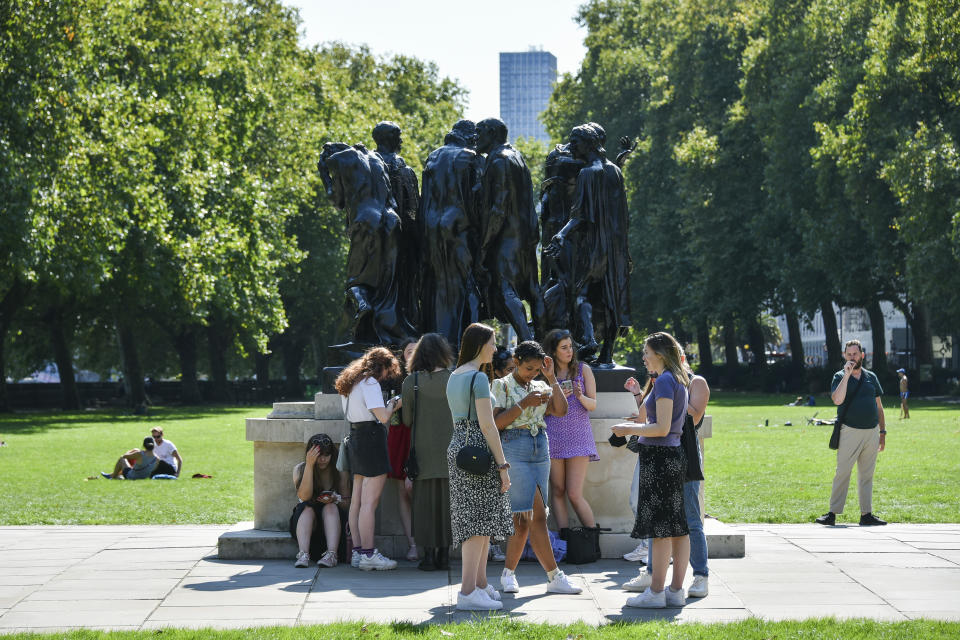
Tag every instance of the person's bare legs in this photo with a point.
(305, 528)
(558, 492)
(118, 468)
(404, 506)
(366, 518)
(516, 542)
(539, 538)
(680, 546)
(661, 549)
(353, 516)
(473, 554)
(481, 580)
(575, 477)
(331, 526)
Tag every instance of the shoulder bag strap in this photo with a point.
(472, 405)
(416, 410)
(842, 412)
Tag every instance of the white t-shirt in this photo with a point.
(165, 451)
(364, 396)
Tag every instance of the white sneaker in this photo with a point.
(376, 562)
(509, 582)
(496, 553)
(649, 600)
(561, 584)
(639, 554)
(491, 592)
(477, 600)
(328, 559)
(640, 583)
(303, 560)
(412, 554)
(355, 559)
(699, 588)
(675, 598)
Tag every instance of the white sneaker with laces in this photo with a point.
(640, 583)
(376, 562)
(412, 554)
(639, 554)
(649, 600)
(675, 598)
(477, 600)
(491, 592)
(561, 584)
(355, 559)
(508, 582)
(303, 560)
(700, 587)
(328, 559)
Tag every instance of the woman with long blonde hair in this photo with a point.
(663, 468)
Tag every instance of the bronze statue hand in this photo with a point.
(556, 244)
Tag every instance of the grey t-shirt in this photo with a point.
(458, 393)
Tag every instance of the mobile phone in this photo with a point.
(566, 385)
(325, 494)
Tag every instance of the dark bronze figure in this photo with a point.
(556, 199)
(406, 195)
(357, 182)
(450, 226)
(598, 226)
(508, 258)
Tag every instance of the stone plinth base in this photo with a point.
(246, 543)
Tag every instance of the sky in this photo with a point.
(463, 39)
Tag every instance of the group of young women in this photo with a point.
(527, 416)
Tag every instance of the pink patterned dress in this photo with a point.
(572, 435)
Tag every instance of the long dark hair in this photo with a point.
(432, 351)
(550, 344)
(666, 346)
(474, 338)
(325, 479)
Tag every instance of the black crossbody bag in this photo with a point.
(472, 458)
(842, 412)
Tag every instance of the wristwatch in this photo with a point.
(501, 467)
(883, 432)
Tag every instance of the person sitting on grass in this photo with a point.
(170, 463)
(136, 464)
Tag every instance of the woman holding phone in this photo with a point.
(520, 403)
(322, 492)
(570, 436)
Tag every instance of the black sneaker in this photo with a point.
(870, 520)
(829, 519)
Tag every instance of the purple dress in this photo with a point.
(572, 435)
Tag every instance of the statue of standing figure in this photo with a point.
(450, 227)
(508, 252)
(357, 182)
(598, 225)
(406, 195)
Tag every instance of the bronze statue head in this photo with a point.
(491, 133)
(585, 141)
(464, 133)
(387, 136)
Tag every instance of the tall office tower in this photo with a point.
(526, 81)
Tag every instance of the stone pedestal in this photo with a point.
(279, 441)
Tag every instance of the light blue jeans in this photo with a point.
(691, 506)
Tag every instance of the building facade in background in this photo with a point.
(526, 82)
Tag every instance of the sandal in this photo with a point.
(328, 559)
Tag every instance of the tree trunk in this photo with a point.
(186, 345)
(703, 344)
(261, 364)
(132, 371)
(63, 358)
(292, 359)
(922, 337)
(757, 344)
(730, 343)
(9, 304)
(834, 348)
(797, 357)
(879, 336)
(217, 343)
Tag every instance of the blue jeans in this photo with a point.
(698, 541)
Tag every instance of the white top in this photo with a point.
(164, 451)
(364, 396)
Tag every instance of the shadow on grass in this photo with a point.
(33, 422)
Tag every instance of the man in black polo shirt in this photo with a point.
(862, 435)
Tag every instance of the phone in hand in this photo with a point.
(325, 496)
(566, 386)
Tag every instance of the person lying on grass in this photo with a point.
(136, 464)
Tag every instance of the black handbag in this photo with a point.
(583, 544)
(688, 440)
(472, 458)
(411, 467)
(842, 413)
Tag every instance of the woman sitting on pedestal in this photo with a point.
(317, 523)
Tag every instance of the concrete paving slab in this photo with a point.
(114, 604)
(942, 614)
(918, 560)
(12, 594)
(226, 612)
(217, 623)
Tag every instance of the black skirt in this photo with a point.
(367, 449)
(431, 512)
(318, 539)
(660, 509)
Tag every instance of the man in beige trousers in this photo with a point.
(862, 435)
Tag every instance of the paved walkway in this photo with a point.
(145, 577)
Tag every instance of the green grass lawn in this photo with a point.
(484, 629)
(754, 473)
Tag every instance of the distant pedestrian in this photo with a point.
(570, 437)
(135, 464)
(904, 394)
(863, 434)
(426, 410)
(362, 400)
(170, 462)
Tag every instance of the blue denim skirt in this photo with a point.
(529, 458)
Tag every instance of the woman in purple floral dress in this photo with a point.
(570, 437)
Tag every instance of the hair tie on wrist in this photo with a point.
(638, 394)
